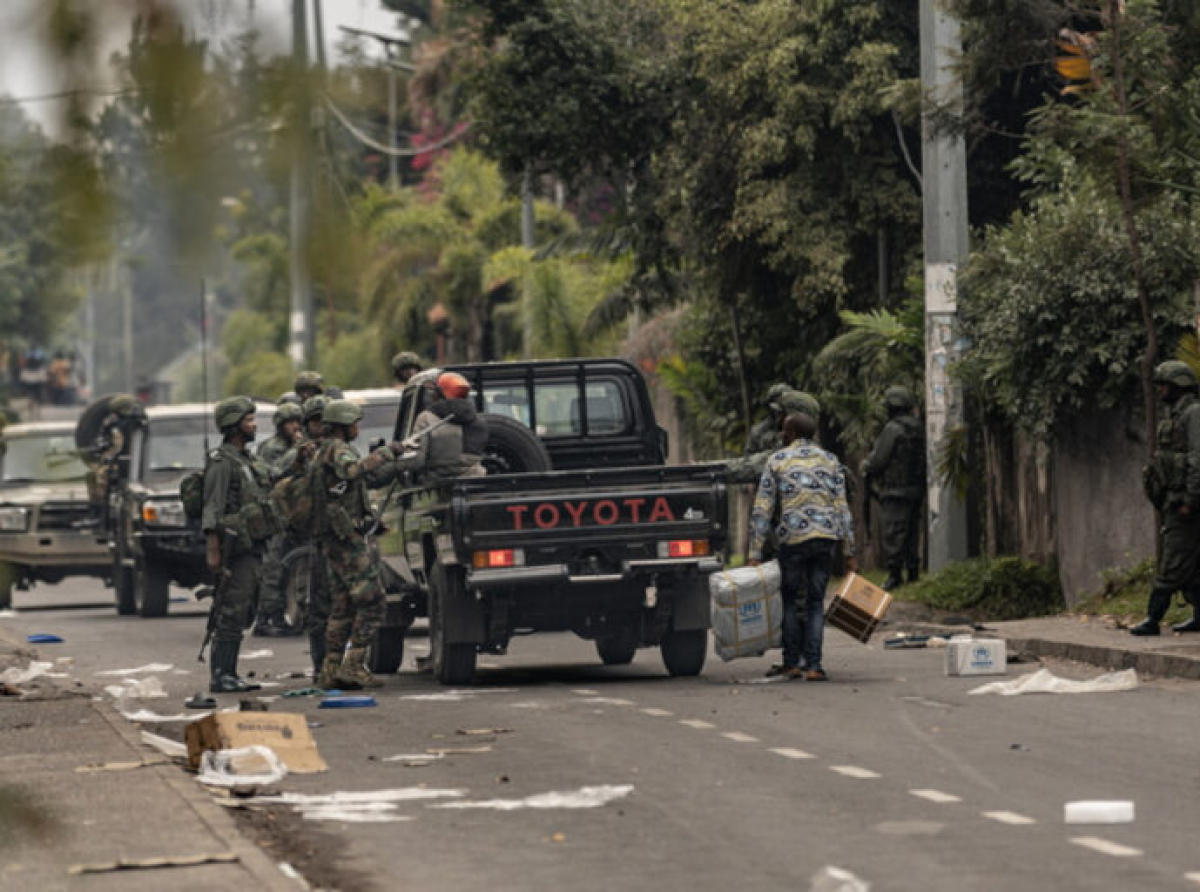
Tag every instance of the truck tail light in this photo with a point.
(499, 557)
(683, 548)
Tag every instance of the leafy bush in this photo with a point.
(991, 589)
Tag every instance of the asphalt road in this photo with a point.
(890, 771)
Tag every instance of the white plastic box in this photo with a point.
(978, 656)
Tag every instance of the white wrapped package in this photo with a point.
(747, 610)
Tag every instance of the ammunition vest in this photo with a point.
(904, 476)
(1171, 451)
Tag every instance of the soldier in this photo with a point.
(125, 414)
(236, 529)
(1172, 483)
(290, 397)
(766, 435)
(342, 535)
(309, 384)
(271, 621)
(312, 416)
(895, 472)
(404, 365)
(749, 468)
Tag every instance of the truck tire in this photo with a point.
(618, 649)
(153, 588)
(684, 651)
(87, 428)
(123, 582)
(387, 651)
(512, 448)
(453, 664)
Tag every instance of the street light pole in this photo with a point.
(300, 327)
(944, 176)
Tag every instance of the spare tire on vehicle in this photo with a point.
(87, 428)
(512, 448)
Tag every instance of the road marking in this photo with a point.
(608, 701)
(1008, 817)
(696, 723)
(1194, 876)
(585, 692)
(854, 771)
(651, 710)
(740, 737)
(935, 796)
(1096, 844)
(788, 753)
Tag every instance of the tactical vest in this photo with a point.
(1171, 452)
(904, 476)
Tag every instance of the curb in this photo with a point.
(1159, 664)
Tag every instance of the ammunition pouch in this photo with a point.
(259, 520)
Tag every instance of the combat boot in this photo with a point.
(1156, 609)
(329, 669)
(1193, 624)
(354, 674)
(895, 579)
(316, 649)
(224, 678)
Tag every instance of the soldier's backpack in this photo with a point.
(191, 494)
(298, 498)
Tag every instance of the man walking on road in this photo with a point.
(895, 473)
(803, 494)
(1172, 484)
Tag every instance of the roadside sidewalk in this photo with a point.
(53, 744)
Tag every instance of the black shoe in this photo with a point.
(1145, 627)
(894, 580)
(914, 573)
(1192, 625)
(791, 673)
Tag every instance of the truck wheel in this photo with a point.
(512, 448)
(123, 582)
(683, 652)
(8, 580)
(387, 651)
(153, 588)
(618, 649)
(453, 664)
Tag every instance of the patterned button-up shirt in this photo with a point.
(803, 493)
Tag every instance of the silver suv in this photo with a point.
(45, 535)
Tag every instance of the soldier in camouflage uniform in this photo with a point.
(895, 474)
(1172, 483)
(272, 621)
(236, 529)
(404, 365)
(749, 468)
(309, 384)
(344, 520)
(767, 434)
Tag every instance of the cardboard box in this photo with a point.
(285, 733)
(978, 656)
(858, 607)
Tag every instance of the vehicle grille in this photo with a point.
(61, 515)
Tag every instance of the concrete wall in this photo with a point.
(1103, 520)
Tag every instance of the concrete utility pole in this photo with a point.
(300, 327)
(944, 157)
(527, 238)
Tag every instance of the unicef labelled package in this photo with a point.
(747, 610)
(976, 656)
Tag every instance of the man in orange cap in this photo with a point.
(454, 448)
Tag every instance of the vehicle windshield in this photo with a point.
(41, 458)
(177, 444)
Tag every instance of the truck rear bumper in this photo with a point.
(554, 574)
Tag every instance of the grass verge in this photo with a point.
(989, 589)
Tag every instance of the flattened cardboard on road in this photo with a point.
(284, 733)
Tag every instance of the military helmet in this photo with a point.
(776, 392)
(287, 412)
(334, 393)
(289, 397)
(231, 410)
(405, 359)
(314, 407)
(342, 412)
(798, 402)
(1175, 372)
(899, 397)
(123, 404)
(309, 381)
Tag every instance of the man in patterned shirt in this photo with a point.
(803, 494)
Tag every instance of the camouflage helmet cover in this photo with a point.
(230, 411)
(314, 408)
(342, 412)
(1175, 372)
(287, 412)
(899, 397)
(290, 397)
(405, 359)
(309, 381)
(123, 404)
(799, 402)
(775, 393)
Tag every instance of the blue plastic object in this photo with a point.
(348, 702)
(44, 638)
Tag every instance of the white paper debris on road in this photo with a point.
(148, 688)
(138, 670)
(836, 879)
(1046, 682)
(584, 797)
(606, 701)
(7, 613)
(414, 757)
(145, 715)
(165, 745)
(1098, 811)
(19, 675)
(247, 766)
(447, 697)
(257, 654)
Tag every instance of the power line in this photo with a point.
(388, 150)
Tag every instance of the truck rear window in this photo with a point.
(558, 409)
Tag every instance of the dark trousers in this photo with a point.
(805, 569)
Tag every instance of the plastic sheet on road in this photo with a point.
(148, 688)
(247, 766)
(1046, 682)
(138, 670)
(20, 675)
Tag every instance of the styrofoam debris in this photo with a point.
(257, 654)
(836, 879)
(148, 688)
(1043, 681)
(19, 675)
(246, 766)
(584, 797)
(145, 715)
(1098, 811)
(139, 670)
(165, 745)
